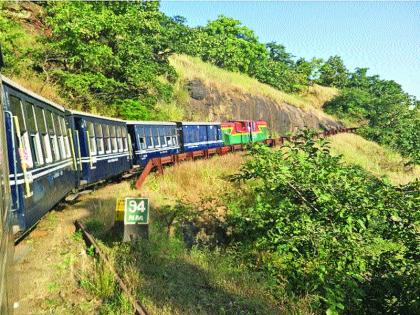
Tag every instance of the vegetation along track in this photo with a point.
(158, 163)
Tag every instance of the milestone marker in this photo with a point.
(134, 212)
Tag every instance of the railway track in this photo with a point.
(139, 309)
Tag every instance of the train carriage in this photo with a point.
(244, 131)
(102, 147)
(152, 139)
(42, 169)
(200, 135)
(6, 239)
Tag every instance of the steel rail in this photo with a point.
(90, 240)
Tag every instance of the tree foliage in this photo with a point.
(388, 114)
(111, 53)
(329, 230)
(333, 72)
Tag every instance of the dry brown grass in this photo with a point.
(194, 68)
(318, 95)
(39, 86)
(372, 157)
(193, 181)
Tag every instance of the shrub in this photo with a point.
(329, 230)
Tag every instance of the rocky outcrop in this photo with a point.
(206, 102)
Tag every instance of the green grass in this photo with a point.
(194, 68)
(168, 273)
(373, 158)
(101, 283)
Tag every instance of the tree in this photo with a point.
(106, 52)
(230, 45)
(277, 52)
(333, 73)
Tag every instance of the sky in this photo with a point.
(381, 36)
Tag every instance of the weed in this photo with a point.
(77, 235)
(53, 287)
(94, 226)
(90, 251)
(102, 284)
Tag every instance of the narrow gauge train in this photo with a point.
(53, 151)
(6, 240)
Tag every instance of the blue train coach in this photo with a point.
(42, 168)
(200, 135)
(152, 139)
(102, 147)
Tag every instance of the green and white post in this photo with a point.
(136, 219)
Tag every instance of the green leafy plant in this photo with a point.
(329, 230)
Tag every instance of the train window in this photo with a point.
(42, 128)
(52, 133)
(174, 136)
(119, 139)
(66, 137)
(162, 138)
(34, 140)
(50, 125)
(113, 139)
(91, 135)
(40, 121)
(107, 139)
(125, 140)
(142, 141)
(149, 137)
(59, 130)
(17, 110)
(29, 117)
(99, 138)
(155, 133)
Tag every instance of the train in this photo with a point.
(54, 151)
(6, 237)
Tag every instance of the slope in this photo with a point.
(373, 158)
(217, 94)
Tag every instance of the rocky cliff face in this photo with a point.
(206, 102)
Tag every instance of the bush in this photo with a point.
(329, 230)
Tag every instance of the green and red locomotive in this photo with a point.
(244, 131)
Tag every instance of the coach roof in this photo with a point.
(75, 112)
(30, 93)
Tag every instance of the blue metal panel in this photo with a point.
(48, 182)
(200, 136)
(161, 145)
(100, 166)
(214, 136)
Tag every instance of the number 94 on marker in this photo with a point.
(136, 211)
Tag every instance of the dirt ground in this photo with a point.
(51, 260)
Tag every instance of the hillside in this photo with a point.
(373, 158)
(202, 91)
(217, 94)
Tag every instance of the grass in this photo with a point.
(375, 159)
(190, 68)
(168, 275)
(37, 84)
(101, 283)
(191, 182)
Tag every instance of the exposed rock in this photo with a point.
(196, 90)
(207, 102)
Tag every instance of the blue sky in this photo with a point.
(382, 36)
